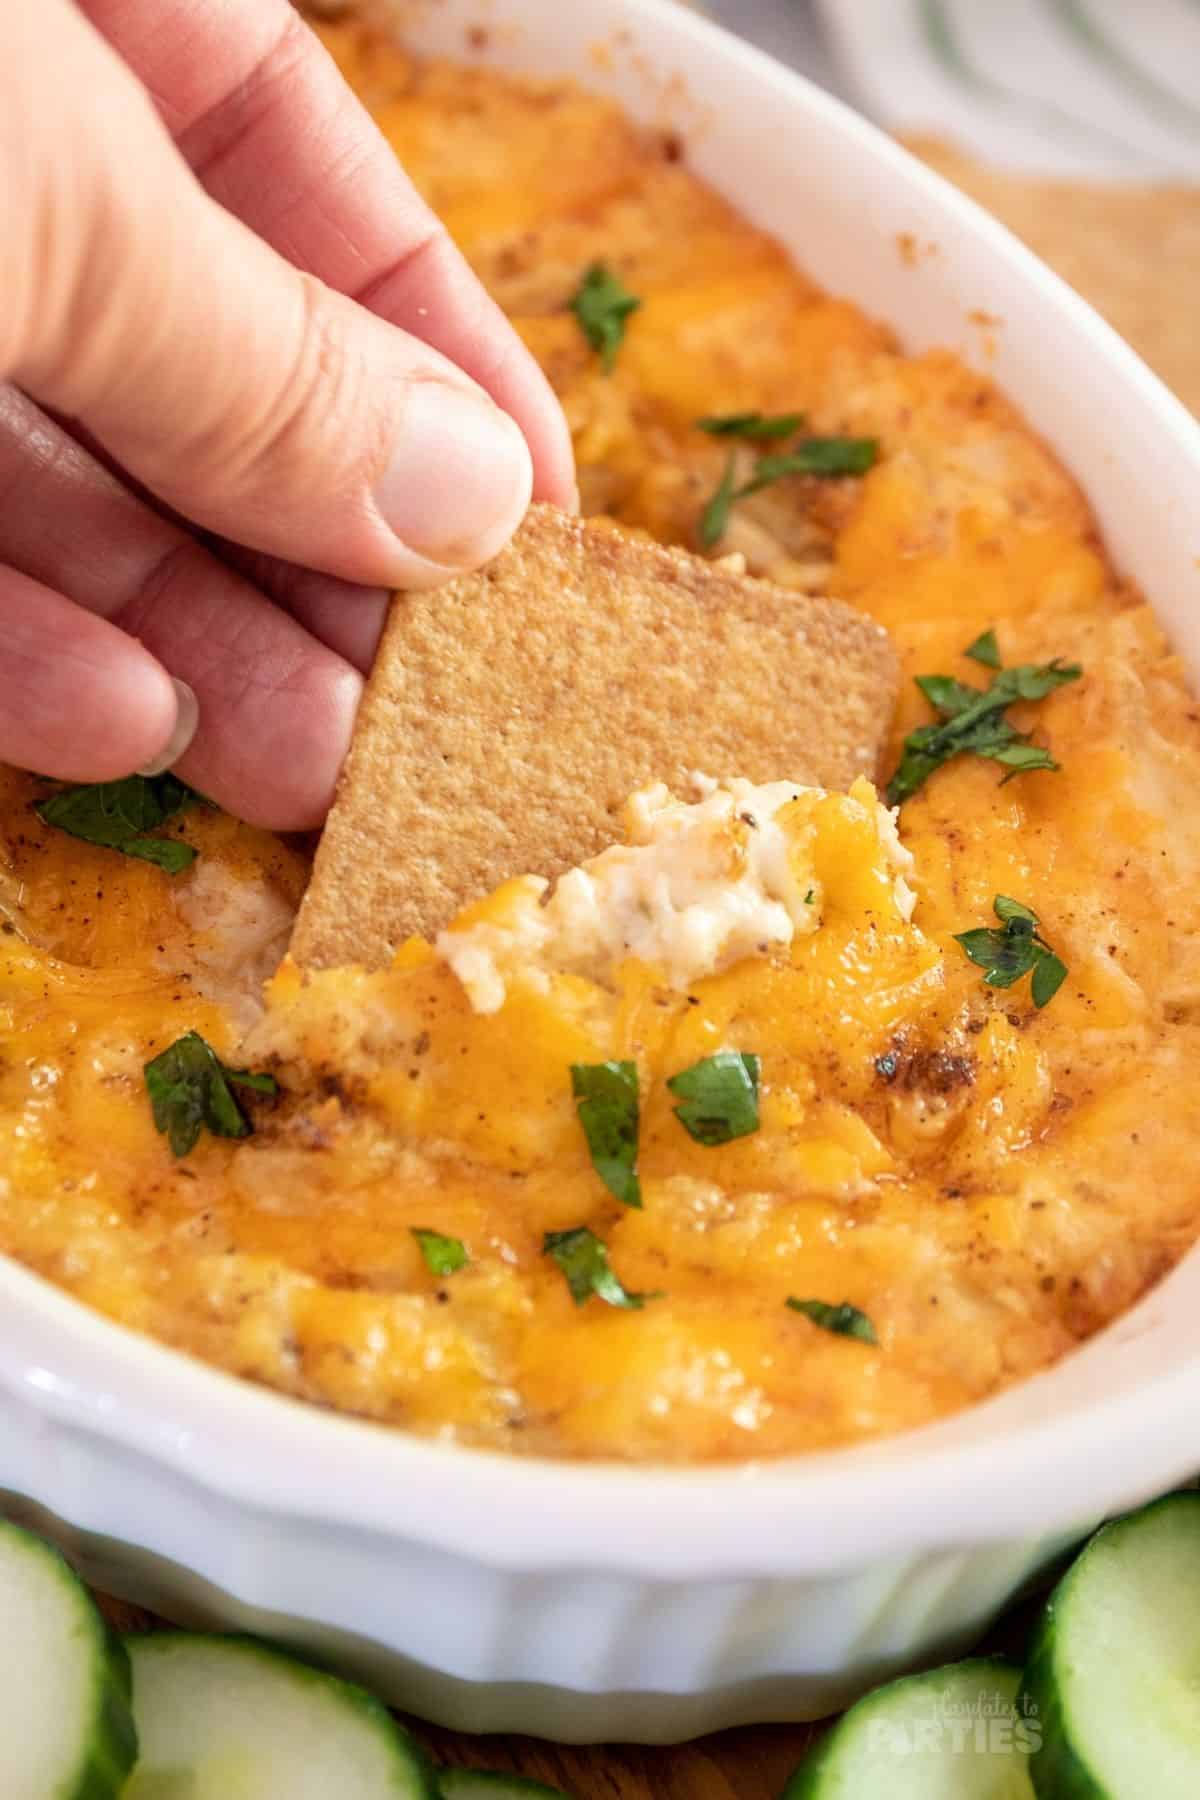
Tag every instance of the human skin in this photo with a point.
(247, 385)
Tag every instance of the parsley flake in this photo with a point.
(985, 650)
(602, 304)
(118, 815)
(826, 456)
(583, 1259)
(1015, 950)
(972, 722)
(823, 456)
(720, 1097)
(443, 1255)
(715, 517)
(606, 1096)
(754, 427)
(191, 1090)
(844, 1320)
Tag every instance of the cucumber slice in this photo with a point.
(1115, 1661)
(229, 1718)
(493, 1784)
(952, 1734)
(66, 1729)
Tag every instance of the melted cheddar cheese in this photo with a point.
(988, 1182)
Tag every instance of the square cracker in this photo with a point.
(511, 713)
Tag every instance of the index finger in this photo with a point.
(263, 116)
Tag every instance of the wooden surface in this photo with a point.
(1132, 251)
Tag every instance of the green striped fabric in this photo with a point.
(1103, 88)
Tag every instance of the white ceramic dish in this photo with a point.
(611, 1602)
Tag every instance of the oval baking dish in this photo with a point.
(588, 1602)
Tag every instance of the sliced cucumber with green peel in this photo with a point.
(228, 1718)
(493, 1784)
(1114, 1670)
(956, 1733)
(66, 1728)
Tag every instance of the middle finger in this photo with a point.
(276, 706)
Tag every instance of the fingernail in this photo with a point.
(187, 717)
(460, 477)
(575, 501)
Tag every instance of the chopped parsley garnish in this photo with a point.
(443, 1255)
(191, 1090)
(117, 815)
(583, 1259)
(844, 1320)
(602, 304)
(606, 1096)
(715, 516)
(824, 456)
(754, 427)
(1014, 950)
(720, 1097)
(985, 650)
(972, 722)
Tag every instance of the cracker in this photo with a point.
(511, 712)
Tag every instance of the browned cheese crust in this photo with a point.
(511, 712)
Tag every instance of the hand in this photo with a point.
(224, 307)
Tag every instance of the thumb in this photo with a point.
(251, 398)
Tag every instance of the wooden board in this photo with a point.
(1132, 251)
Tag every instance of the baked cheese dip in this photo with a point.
(796, 1118)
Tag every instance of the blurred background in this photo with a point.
(1091, 88)
(1076, 121)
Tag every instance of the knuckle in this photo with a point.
(313, 411)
